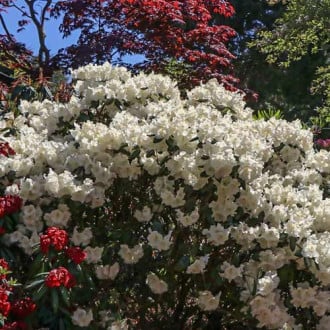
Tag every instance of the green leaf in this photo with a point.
(54, 300)
(183, 263)
(134, 154)
(15, 217)
(37, 266)
(62, 324)
(292, 242)
(65, 295)
(34, 283)
(150, 153)
(40, 293)
(158, 139)
(286, 275)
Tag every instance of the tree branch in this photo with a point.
(3, 23)
(24, 13)
(44, 53)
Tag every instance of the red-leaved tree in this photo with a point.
(190, 32)
(158, 29)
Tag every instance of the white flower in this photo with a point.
(82, 238)
(131, 255)
(198, 266)
(157, 241)
(324, 323)
(81, 317)
(187, 220)
(268, 283)
(119, 325)
(94, 255)
(52, 183)
(303, 296)
(216, 235)
(106, 272)
(156, 285)
(230, 272)
(143, 215)
(58, 217)
(171, 199)
(207, 302)
(31, 216)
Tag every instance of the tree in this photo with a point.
(300, 41)
(16, 53)
(160, 30)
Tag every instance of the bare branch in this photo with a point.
(23, 12)
(44, 11)
(3, 23)
(44, 53)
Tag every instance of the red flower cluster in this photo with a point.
(76, 254)
(58, 238)
(60, 276)
(9, 204)
(19, 308)
(23, 307)
(6, 150)
(4, 289)
(4, 303)
(17, 325)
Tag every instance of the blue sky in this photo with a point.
(54, 39)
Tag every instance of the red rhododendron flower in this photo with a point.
(9, 204)
(23, 307)
(6, 150)
(19, 325)
(58, 238)
(76, 254)
(60, 276)
(4, 303)
(3, 266)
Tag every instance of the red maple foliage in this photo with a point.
(158, 29)
(192, 32)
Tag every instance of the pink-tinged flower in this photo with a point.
(323, 143)
(55, 237)
(60, 276)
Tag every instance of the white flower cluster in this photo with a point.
(213, 175)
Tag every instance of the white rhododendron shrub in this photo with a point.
(191, 213)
